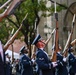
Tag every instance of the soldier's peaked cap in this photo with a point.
(22, 49)
(37, 38)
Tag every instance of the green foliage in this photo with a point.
(58, 8)
(5, 31)
(26, 7)
(42, 6)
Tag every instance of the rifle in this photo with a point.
(11, 40)
(33, 47)
(5, 4)
(12, 44)
(65, 51)
(54, 56)
(73, 42)
(10, 9)
(46, 42)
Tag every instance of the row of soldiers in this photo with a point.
(42, 65)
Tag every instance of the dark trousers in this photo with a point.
(72, 73)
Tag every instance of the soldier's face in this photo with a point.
(26, 51)
(41, 44)
(71, 50)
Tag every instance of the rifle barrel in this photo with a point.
(5, 4)
(68, 43)
(50, 36)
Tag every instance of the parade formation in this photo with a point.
(61, 61)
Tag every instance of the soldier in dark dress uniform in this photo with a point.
(71, 61)
(1, 66)
(62, 65)
(25, 62)
(7, 64)
(61, 68)
(45, 66)
(2, 62)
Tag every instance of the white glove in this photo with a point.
(7, 59)
(33, 60)
(64, 59)
(54, 64)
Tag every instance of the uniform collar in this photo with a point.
(58, 52)
(41, 48)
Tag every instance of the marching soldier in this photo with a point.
(1, 66)
(7, 64)
(71, 61)
(61, 68)
(25, 62)
(2, 63)
(45, 66)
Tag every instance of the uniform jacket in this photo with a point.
(72, 63)
(62, 66)
(8, 70)
(1, 66)
(44, 63)
(26, 65)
